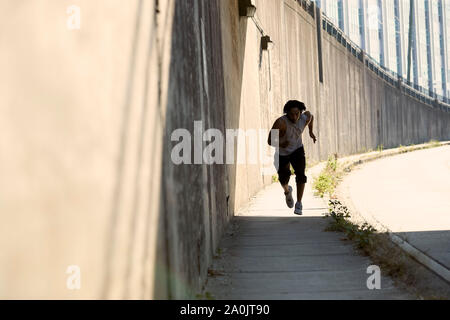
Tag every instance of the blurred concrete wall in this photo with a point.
(87, 118)
(82, 119)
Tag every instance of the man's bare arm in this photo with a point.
(309, 117)
(281, 127)
(310, 124)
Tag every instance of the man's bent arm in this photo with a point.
(279, 127)
(311, 124)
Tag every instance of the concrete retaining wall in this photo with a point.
(80, 146)
(87, 120)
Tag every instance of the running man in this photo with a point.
(290, 149)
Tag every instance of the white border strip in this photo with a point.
(431, 264)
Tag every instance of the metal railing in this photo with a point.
(413, 90)
(308, 6)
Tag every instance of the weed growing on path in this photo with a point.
(206, 296)
(391, 259)
(434, 144)
(328, 179)
(362, 235)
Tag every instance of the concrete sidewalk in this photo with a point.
(269, 253)
(407, 195)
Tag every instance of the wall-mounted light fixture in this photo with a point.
(247, 8)
(266, 43)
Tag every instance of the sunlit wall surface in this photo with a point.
(446, 11)
(437, 47)
(422, 34)
(390, 36)
(382, 29)
(351, 20)
(330, 8)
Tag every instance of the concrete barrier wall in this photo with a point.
(194, 204)
(369, 112)
(87, 123)
(80, 146)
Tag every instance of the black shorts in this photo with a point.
(298, 162)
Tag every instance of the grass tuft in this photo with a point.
(434, 144)
(328, 179)
(361, 235)
(206, 296)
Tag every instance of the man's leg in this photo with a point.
(284, 173)
(300, 190)
(299, 164)
(284, 176)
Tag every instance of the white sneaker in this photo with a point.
(289, 199)
(298, 208)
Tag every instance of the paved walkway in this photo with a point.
(409, 195)
(269, 253)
